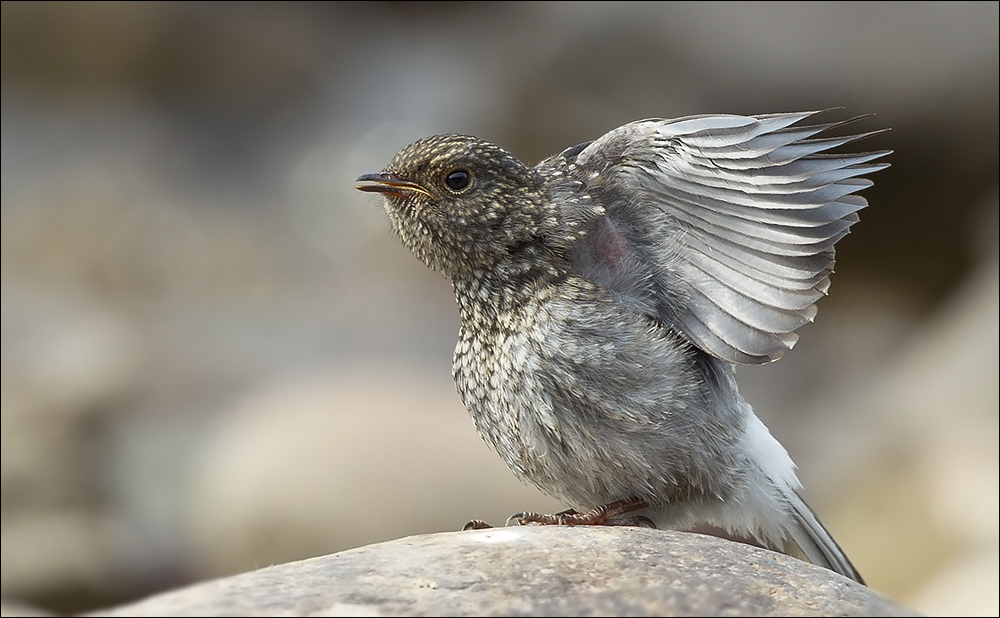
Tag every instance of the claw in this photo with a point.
(642, 521)
(637, 521)
(601, 516)
(518, 519)
(476, 524)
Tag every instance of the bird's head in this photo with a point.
(461, 204)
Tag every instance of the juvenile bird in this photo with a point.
(606, 294)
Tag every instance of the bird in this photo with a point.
(607, 293)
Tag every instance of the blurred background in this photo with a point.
(215, 357)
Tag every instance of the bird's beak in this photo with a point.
(385, 182)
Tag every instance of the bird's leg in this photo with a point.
(601, 516)
(478, 524)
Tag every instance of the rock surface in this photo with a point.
(532, 571)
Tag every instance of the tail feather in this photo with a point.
(816, 543)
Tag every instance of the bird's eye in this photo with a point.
(457, 180)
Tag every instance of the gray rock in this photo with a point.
(532, 571)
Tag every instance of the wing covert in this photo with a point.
(732, 221)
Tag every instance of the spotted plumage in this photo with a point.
(606, 293)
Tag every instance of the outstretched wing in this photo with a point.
(722, 226)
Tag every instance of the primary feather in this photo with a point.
(735, 216)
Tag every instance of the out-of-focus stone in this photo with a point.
(533, 571)
(66, 361)
(343, 458)
(916, 497)
(10, 609)
(69, 548)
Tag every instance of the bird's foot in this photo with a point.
(636, 521)
(604, 515)
(476, 524)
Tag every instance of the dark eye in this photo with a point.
(457, 180)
